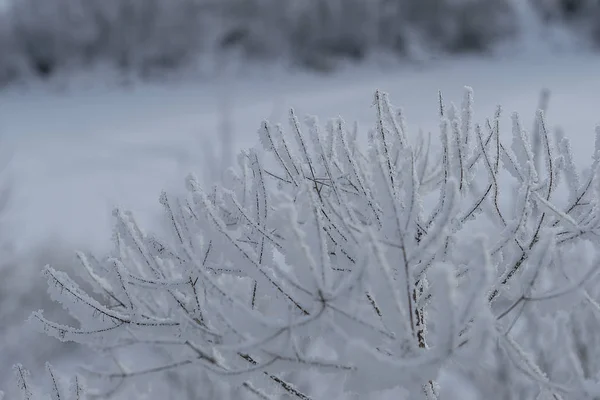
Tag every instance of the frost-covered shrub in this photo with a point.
(319, 269)
(317, 32)
(581, 16)
(143, 36)
(23, 288)
(333, 29)
(57, 388)
(146, 36)
(553, 9)
(312, 33)
(462, 25)
(10, 62)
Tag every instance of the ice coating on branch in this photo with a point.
(315, 260)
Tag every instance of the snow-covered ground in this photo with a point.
(77, 154)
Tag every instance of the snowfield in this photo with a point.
(78, 154)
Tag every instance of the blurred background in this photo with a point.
(150, 38)
(105, 103)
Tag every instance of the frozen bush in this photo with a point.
(250, 25)
(22, 288)
(317, 32)
(461, 25)
(56, 388)
(318, 269)
(10, 62)
(553, 9)
(580, 16)
(324, 29)
(143, 36)
(313, 33)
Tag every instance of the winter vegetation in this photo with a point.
(318, 268)
(41, 38)
(56, 388)
(330, 261)
(23, 289)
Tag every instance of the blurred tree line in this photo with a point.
(41, 37)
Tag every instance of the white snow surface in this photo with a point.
(78, 153)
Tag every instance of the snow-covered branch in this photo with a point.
(380, 268)
(57, 388)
